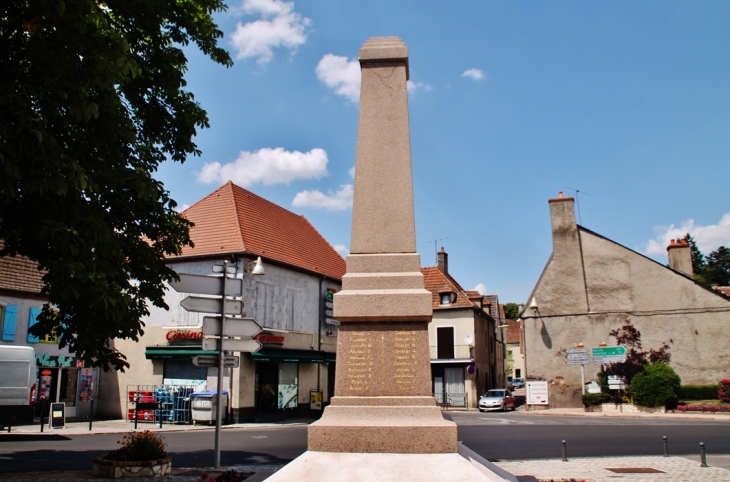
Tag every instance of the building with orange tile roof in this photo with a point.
(299, 336)
(60, 374)
(463, 339)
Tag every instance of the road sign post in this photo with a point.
(579, 356)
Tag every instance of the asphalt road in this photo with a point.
(496, 436)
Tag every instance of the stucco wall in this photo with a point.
(622, 285)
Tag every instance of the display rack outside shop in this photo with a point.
(159, 403)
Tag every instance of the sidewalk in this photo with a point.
(579, 412)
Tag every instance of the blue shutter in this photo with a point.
(11, 314)
(32, 320)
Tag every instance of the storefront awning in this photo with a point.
(174, 352)
(292, 356)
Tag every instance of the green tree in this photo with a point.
(511, 311)
(636, 357)
(717, 269)
(93, 99)
(698, 260)
(657, 385)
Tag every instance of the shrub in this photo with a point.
(657, 385)
(590, 399)
(698, 392)
(723, 390)
(139, 447)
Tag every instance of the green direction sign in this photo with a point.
(329, 296)
(609, 351)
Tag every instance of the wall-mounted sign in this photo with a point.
(315, 399)
(179, 335)
(269, 338)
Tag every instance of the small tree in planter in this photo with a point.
(139, 447)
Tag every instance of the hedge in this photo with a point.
(656, 386)
(698, 392)
(590, 399)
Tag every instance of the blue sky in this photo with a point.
(510, 102)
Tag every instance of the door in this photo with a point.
(266, 387)
(455, 389)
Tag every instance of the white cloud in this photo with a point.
(708, 238)
(480, 288)
(182, 208)
(351, 172)
(476, 74)
(413, 87)
(267, 166)
(279, 26)
(332, 201)
(341, 75)
(342, 249)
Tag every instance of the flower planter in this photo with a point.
(116, 469)
(630, 408)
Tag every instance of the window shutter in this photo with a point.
(11, 314)
(32, 320)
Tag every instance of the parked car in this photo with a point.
(516, 383)
(497, 399)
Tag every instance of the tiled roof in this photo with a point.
(234, 220)
(437, 282)
(19, 273)
(513, 331)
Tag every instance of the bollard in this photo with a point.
(565, 451)
(43, 412)
(136, 409)
(703, 459)
(91, 413)
(666, 446)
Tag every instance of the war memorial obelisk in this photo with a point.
(383, 422)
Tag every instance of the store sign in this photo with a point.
(58, 361)
(269, 338)
(179, 335)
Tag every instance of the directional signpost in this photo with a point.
(211, 305)
(219, 288)
(608, 354)
(578, 356)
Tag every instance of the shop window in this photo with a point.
(183, 372)
(288, 386)
(32, 320)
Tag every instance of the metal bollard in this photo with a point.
(91, 413)
(666, 446)
(565, 451)
(703, 459)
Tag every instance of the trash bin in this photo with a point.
(203, 405)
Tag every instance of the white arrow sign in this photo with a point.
(250, 346)
(577, 362)
(245, 327)
(211, 305)
(605, 360)
(207, 285)
(576, 350)
(212, 361)
(577, 356)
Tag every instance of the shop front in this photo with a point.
(65, 379)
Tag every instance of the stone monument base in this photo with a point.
(463, 466)
(398, 425)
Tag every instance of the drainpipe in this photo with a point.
(319, 330)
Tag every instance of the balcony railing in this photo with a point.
(455, 352)
(445, 399)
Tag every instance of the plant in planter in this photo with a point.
(656, 386)
(592, 400)
(142, 454)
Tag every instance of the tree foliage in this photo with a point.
(511, 311)
(713, 269)
(636, 357)
(657, 385)
(93, 99)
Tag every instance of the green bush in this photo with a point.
(590, 399)
(698, 392)
(658, 385)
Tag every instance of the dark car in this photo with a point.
(516, 383)
(497, 399)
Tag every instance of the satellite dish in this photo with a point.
(468, 339)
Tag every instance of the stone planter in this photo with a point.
(593, 408)
(630, 408)
(116, 469)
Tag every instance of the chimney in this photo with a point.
(680, 256)
(566, 271)
(443, 261)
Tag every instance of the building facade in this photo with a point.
(297, 360)
(60, 376)
(592, 285)
(462, 340)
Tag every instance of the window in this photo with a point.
(9, 315)
(32, 320)
(445, 342)
(446, 299)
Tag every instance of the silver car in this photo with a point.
(497, 399)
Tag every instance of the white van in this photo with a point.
(17, 383)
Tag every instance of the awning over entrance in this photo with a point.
(292, 356)
(174, 352)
